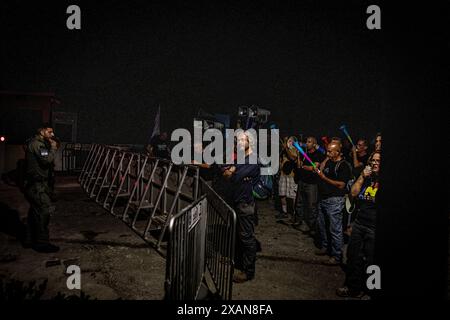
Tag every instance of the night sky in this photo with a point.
(314, 66)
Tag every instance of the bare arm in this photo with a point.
(323, 163)
(356, 187)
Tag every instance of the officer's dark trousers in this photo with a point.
(360, 252)
(37, 194)
(246, 241)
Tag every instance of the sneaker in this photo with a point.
(320, 252)
(282, 217)
(345, 292)
(304, 228)
(45, 248)
(240, 276)
(332, 262)
(295, 220)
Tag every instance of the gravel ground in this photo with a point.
(115, 263)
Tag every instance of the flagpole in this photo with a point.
(156, 124)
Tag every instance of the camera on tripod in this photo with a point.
(253, 116)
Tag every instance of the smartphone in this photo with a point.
(369, 167)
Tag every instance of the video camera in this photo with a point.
(253, 116)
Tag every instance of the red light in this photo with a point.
(2, 139)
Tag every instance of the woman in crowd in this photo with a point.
(361, 247)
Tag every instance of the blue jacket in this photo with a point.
(242, 187)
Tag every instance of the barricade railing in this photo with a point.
(146, 193)
(185, 266)
(220, 241)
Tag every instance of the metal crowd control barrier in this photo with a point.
(185, 265)
(220, 241)
(213, 255)
(146, 193)
(74, 156)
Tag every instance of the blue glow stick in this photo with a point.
(296, 145)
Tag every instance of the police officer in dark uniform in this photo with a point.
(52, 175)
(39, 156)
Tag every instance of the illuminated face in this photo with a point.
(310, 143)
(47, 133)
(242, 141)
(290, 143)
(361, 146)
(378, 143)
(335, 141)
(333, 151)
(375, 163)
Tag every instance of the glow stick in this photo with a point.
(304, 154)
(344, 129)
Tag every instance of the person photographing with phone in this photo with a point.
(40, 155)
(361, 247)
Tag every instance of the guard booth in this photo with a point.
(68, 158)
(73, 156)
(172, 209)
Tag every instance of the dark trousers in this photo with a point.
(306, 204)
(276, 197)
(256, 214)
(246, 241)
(37, 194)
(360, 252)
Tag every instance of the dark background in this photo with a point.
(413, 216)
(314, 65)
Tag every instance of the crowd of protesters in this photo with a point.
(325, 188)
(334, 189)
(314, 192)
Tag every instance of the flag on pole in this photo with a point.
(156, 124)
